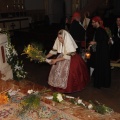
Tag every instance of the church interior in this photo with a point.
(39, 21)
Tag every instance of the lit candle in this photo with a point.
(87, 55)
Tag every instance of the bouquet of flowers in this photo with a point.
(98, 107)
(4, 98)
(57, 97)
(31, 101)
(34, 52)
(108, 32)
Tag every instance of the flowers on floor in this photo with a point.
(34, 51)
(7, 95)
(4, 98)
(57, 97)
(31, 101)
(13, 60)
(98, 107)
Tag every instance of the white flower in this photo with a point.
(90, 106)
(15, 52)
(79, 101)
(59, 97)
(30, 91)
(13, 92)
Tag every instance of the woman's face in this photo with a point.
(60, 38)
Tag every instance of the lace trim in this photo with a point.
(58, 76)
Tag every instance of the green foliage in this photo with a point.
(108, 32)
(57, 97)
(31, 101)
(101, 108)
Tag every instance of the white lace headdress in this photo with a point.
(68, 46)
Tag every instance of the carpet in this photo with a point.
(48, 109)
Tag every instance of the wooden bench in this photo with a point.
(115, 63)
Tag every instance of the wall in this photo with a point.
(35, 9)
(34, 4)
(116, 5)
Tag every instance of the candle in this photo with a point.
(87, 55)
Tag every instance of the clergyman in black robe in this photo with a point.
(102, 71)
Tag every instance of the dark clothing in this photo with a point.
(102, 74)
(115, 48)
(78, 33)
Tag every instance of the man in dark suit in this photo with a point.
(77, 30)
(115, 48)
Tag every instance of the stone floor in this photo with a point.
(38, 72)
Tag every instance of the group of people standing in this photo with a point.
(69, 72)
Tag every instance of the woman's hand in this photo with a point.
(53, 61)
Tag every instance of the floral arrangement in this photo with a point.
(31, 101)
(98, 107)
(7, 95)
(4, 98)
(57, 97)
(13, 60)
(108, 32)
(34, 52)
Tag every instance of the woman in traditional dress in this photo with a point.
(101, 60)
(69, 72)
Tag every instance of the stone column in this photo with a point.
(5, 68)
